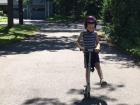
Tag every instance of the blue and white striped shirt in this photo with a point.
(88, 40)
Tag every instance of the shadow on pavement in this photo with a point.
(110, 87)
(101, 97)
(40, 42)
(46, 26)
(90, 101)
(113, 53)
(43, 101)
(98, 100)
(55, 101)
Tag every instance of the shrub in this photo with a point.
(1, 13)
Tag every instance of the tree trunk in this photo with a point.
(76, 10)
(10, 13)
(20, 6)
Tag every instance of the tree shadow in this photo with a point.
(43, 101)
(98, 100)
(75, 91)
(113, 53)
(90, 101)
(55, 101)
(101, 97)
(67, 26)
(40, 42)
(109, 87)
(47, 26)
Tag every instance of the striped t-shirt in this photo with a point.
(88, 40)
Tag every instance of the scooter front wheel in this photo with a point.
(86, 93)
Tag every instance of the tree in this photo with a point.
(10, 13)
(93, 7)
(78, 8)
(20, 6)
(124, 29)
(106, 11)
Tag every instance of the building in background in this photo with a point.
(3, 6)
(32, 9)
(40, 9)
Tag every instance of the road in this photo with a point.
(48, 70)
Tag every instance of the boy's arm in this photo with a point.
(97, 43)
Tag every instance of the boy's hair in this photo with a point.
(90, 20)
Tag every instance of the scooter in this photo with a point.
(87, 87)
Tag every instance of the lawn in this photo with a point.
(3, 19)
(17, 33)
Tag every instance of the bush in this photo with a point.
(77, 8)
(106, 11)
(126, 20)
(124, 29)
(122, 22)
(1, 13)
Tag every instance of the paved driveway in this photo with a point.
(48, 70)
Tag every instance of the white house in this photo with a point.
(3, 6)
(34, 9)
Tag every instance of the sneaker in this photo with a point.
(103, 83)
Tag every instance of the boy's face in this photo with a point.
(90, 27)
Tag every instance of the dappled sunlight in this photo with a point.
(43, 101)
(95, 97)
(115, 55)
(41, 42)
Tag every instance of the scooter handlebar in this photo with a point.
(88, 50)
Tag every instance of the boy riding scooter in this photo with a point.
(88, 42)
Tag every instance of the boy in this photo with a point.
(89, 40)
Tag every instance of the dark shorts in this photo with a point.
(94, 59)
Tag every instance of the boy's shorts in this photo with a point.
(94, 59)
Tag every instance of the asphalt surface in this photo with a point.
(48, 70)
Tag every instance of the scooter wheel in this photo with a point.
(86, 96)
(86, 93)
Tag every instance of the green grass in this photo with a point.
(3, 19)
(17, 33)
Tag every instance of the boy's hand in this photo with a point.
(82, 48)
(97, 50)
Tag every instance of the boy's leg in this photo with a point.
(96, 64)
(99, 70)
(100, 73)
